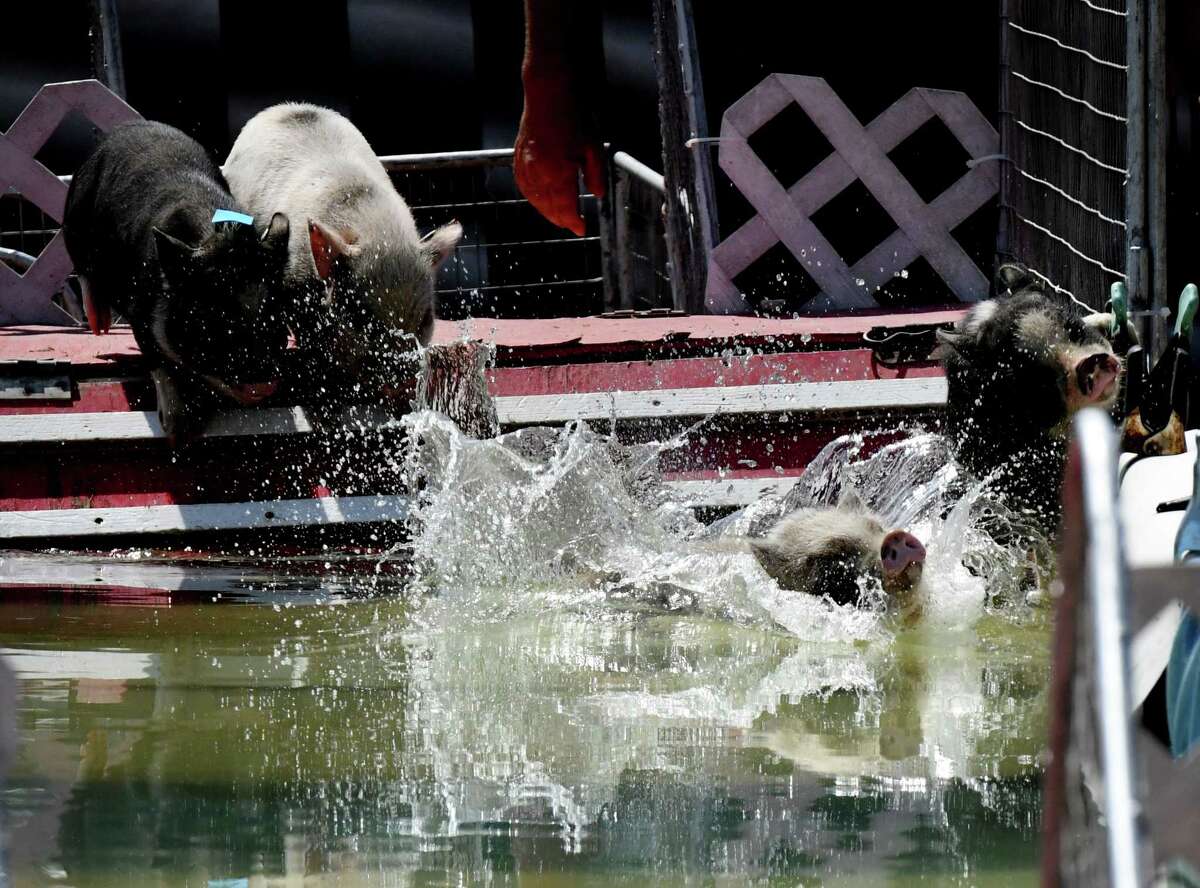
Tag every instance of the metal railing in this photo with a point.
(511, 262)
(1118, 810)
(638, 278)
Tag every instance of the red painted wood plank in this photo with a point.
(91, 397)
(755, 446)
(117, 348)
(852, 364)
(210, 472)
(69, 344)
(742, 447)
(521, 333)
(100, 593)
(105, 396)
(236, 471)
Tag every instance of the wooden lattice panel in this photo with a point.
(25, 298)
(784, 215)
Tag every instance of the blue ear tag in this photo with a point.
(232, 216)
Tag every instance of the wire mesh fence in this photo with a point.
(511, 262)
(24, 232)
(23, 227)
(1063, 131)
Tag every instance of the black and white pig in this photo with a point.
(1018, 367)
(830, 551)
(140, 226)
(360, 276)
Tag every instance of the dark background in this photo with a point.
(871, 53)
(414, 75)
(426, 75)
(437, 75)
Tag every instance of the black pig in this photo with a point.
(140, 227)
(1018, 367)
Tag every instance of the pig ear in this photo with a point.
(275, 235)
(786, 570)
(328, 246)
(949, 339)
(769, 556)
(1103, 323)
(439, 244)
(1012, 276)
(850, 501)
(173, 254)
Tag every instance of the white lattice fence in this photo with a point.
(784, 214)
(25, 298)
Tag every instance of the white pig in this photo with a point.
(360, 277)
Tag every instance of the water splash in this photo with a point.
(586, 638)
(568, 517)
(452, 380)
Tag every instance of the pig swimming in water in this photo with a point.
(827, 552)
(142, 228)
(1017, 369)
(360, 277)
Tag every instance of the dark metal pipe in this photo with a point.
(640, 171)
(15, 259)
(624, 261)
(1158, 124)
(108, 63)
(1136, 260)
(447, 160)
(693, 90)
(687, 260)
(1004, 235)
(607, 218)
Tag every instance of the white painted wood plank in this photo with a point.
(51, 523)
(776, 398)
(842, 396)
(270, 421)
(60, 664)
(265, 582)
(35, 428)
(44, 428)
(730, 491)
(23, 569)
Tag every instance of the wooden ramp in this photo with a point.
(86, 458)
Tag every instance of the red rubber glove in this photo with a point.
(563, 65)
(553, 147)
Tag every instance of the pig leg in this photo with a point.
(183, 410)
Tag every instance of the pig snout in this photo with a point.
(1096, 376)
(902, 555)
(245, 394)
(252, 392)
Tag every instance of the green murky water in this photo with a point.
(392, 741)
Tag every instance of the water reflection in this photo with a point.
(386, 740)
